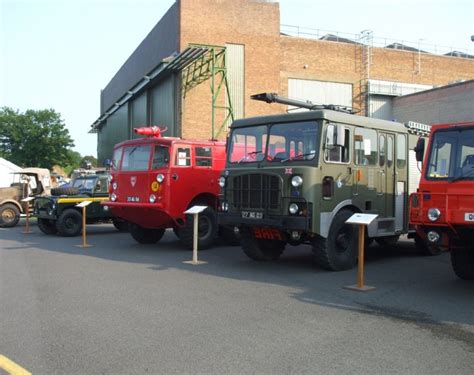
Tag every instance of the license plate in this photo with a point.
(468, 217)
(252, 215)
(133, 199)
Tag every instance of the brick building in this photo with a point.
(204, 59)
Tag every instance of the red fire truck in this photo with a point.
(155, 179)
(442, 211)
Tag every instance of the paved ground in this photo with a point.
(124, 308)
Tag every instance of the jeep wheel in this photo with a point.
(462, 260)
(69, 223)
(47, 226)
(64, 191)
(145, 235)
(9, 215)
(260, 249)
(120, 224)
(338, 251)
(207, 230)
(424, 248)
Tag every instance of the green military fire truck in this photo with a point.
(296, 178)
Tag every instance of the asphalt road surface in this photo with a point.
(124, 308)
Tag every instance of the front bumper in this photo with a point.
(284, 222)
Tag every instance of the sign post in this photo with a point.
(27, 228)
(362, 220)
(83, 205)
(195, 210)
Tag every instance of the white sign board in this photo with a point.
(28, 199)
(83, 204)
(195, 209)
(364, 219)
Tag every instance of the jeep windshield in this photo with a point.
(278, 143)
(85, 183)
(451, 155)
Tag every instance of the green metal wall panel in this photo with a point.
(163, 106)
(139, 116)
(115, 130)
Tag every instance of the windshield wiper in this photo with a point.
(462, 177)
(249, 154)
(298, 157)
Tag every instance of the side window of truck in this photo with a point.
(334, 152)
(183, 157)
(365, 146)
(203, 157)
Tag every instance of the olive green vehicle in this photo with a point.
(296, 178)
(58, 214)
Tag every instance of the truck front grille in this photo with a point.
(255, 191)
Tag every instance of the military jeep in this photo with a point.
(58, 214)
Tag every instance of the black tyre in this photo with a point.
(338, 251)
(426, 249)
(64, 191)
(69, 224)
(120, 224)
(261, 249)
(207, 230)
(388, 241)
(145, 235)
(462, 260)
(47, 226)
(9, 215)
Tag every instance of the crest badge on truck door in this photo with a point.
(133, 180)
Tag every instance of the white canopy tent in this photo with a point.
(6, 169)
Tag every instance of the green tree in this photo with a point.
(34, 138)
(91, 159)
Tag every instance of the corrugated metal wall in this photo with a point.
(320, 92)
(115, 130)
(380, 106)
(139, 114)
(235, 64)
(163, 106)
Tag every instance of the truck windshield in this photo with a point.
(136, 158)
(279, 143)
(86, 183)
(451, 155)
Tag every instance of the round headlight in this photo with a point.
(433, 236)
(113, 197)
(434, 214)
(296, 181)
(221, 182)
(152, 198)
(114, 186)
(293, 208)
(160, 178)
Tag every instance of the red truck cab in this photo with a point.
(442, 210)
(155, 179)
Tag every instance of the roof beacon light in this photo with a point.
(151, 131)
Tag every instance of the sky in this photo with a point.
(60, 53)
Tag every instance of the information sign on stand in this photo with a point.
(84, 205)
(362, 220)
(195, 211)
(27, 227)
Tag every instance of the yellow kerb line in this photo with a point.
(11, 367)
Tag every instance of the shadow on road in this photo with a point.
(410, 288)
